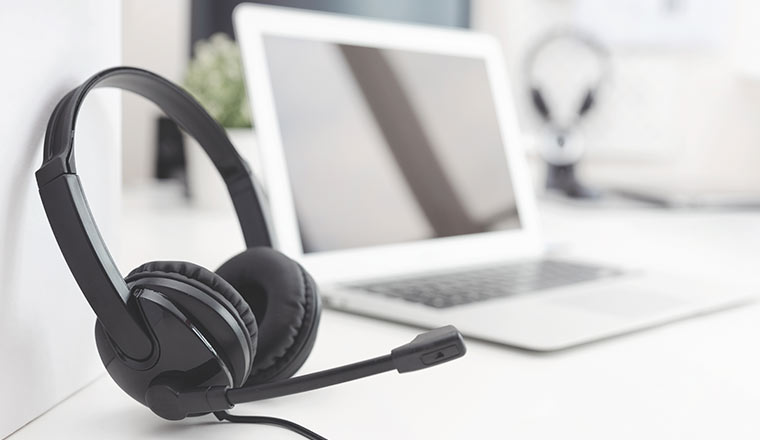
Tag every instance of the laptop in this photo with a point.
(395, 174)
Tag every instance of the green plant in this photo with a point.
(215, 78)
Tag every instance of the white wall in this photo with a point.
(47, 348)
(679, 116)
(156, 37)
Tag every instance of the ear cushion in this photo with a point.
(539, 103)
(285, 301)
(588, 102)
(184, 271)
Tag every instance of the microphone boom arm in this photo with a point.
(313, 381)
(426, 350)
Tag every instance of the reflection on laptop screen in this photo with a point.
(386, 146)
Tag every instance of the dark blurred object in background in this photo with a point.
(211, 16)
(170, 151)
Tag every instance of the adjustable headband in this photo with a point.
(571, 34)
(73, 224)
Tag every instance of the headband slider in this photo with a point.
(55, 167)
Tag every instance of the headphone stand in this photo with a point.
(562, 178)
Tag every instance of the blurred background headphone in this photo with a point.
(177, 337)
(564, 147)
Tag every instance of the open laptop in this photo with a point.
(392, 160)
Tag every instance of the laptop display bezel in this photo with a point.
(254, 22)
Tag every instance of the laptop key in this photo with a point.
(482, 284)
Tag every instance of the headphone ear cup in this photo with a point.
(224, 294)
(285, 301)
(539, 103)
(588, 101)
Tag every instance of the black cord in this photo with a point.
(287, 424)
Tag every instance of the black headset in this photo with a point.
(175, 336)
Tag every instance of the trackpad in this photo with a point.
(623, 301)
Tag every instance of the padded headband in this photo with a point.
(571, 34)
(73, 224)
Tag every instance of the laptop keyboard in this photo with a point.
(468, 286)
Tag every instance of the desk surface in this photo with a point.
(692, 379)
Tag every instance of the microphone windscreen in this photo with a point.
(429, 349)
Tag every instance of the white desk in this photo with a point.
(696, 379)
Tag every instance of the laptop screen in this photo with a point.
(388, 146)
